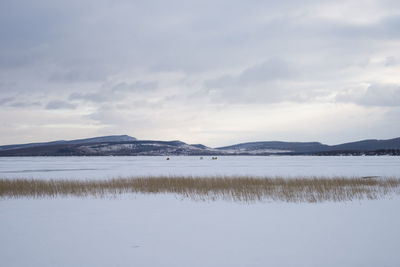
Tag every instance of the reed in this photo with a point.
(247, 189)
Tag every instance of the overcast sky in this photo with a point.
(212, 72)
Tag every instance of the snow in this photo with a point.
(165, 230)
(162, 230)
(111, 167)
(107, 147)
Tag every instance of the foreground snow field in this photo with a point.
(163, 230)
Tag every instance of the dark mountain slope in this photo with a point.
(368, 145)
(123, 145)
(298, 147)
(111, 138)
(132, 148)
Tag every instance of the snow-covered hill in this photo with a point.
(124, 145)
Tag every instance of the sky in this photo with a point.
(212, 72)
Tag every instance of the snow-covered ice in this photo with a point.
(162, 230)
(111, 167)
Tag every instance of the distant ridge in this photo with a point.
(315, 147)
(109, 138)
(276, 146)
(124, 145)
(371, 144)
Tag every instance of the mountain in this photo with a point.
(369, 147)
(111, 138)
(123, 145)
(107, 146)
(275, 147)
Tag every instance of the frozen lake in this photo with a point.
(162, 230)
(166, 230)
(112, 167)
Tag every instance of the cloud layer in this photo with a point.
(213, 72)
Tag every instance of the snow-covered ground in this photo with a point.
(164, 230)
(148, 230)
(110, 167)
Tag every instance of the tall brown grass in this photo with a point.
(246, 189)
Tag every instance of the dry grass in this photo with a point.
(211, 188)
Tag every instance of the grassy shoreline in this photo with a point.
(245, 189)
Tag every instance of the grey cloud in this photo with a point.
(274, 69)
(270, 70)
(12, 59)
(117, 92)
(27, 31)
(78, 75)
(376, 94)
(107, 114)
(96, 97)
(150, 34)
(391, 61)
(58, 104)
(390, 27)
(93, 40)
(138, 86)
(386, 28)
(6, 100)
(268, 82)
(15, 102)
(265, 93)
(25, 25)
(22, 104)
(221, 82)
(132, 55)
